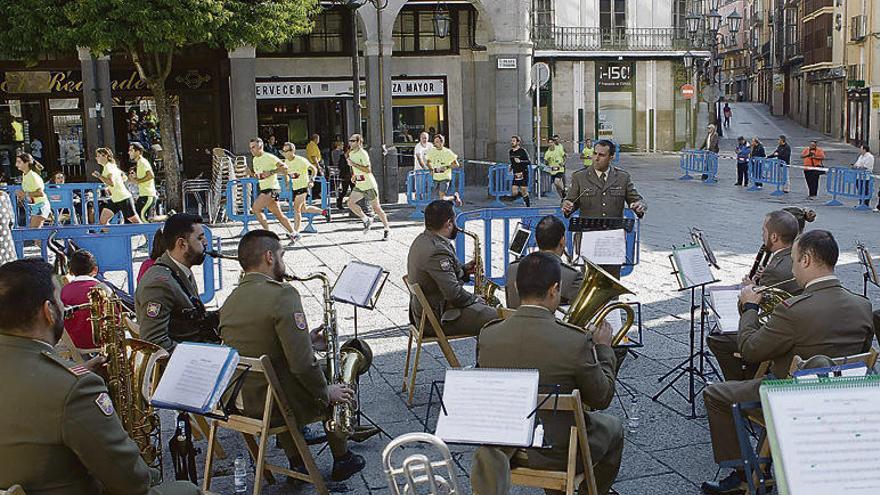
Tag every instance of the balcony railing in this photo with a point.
(794, 50)
(620, 39)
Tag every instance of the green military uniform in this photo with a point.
(564, 355)
(432, 264)
(59, 433)
(724, 346)
(160, 303)
(826, 319)
(570, 284)
(263, 316)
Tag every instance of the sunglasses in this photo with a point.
(352, 140)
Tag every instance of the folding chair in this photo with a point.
(569, 479)
(418, 333)
(869, 358)
(262, 428)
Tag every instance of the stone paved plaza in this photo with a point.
(667, 453)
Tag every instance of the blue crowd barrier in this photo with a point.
(852, 183)
(74, 197)
(501, 183)
(249, 189)
(529, 218)
(325, 202)
(700, 162)
(419, 186)
(113, 249)
(457, 183)
(765, 171)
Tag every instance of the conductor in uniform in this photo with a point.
(825, 319)
(167, 298)
(264, 315)
(603, 191)
(432, 264)
(59, 432)
(564, 355)
(550, 237)
(778, 233)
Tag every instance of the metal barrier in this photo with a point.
(529, 218)
(456, 185)
(852, 183)
(250, 189)
(325, 204)
(700, 162)
(74, 197)
(771, 171)
(419, 186)
(113, 248)
(501, 183)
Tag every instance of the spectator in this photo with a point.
(420, 150)
(314, 156)
(270, 146)
(783, 152)
(711, 142)
(865, 162)
(84, 268)
(340, 159)
(156, 250)
(743, 151)
(58, 178)
(727, 114)
(813, 157)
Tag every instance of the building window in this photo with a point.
(612, 21)
(544, 16)
(679, 14)
(414, 32)
(330, 36)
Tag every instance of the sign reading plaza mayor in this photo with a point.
(270, 90)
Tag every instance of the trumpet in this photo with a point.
(771, 296)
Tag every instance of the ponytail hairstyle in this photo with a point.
(30, 162)
(106, 153)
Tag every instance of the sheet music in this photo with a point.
(692, 266)
(357, 283)
(196, 376)
(725, 302)
(828, 438)
(604, 247)
(489, 406)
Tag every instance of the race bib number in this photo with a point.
(439, 170)
(360, 178)
(518, 176)
(295, 175)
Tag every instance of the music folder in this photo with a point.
(196, 377)
(358, 284)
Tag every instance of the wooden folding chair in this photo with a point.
(417, 333)
(869, 358)
(261, 427)
(568, 480)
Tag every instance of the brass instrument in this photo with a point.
(483, 287)
(426, 471)
(761, 260)
(130, 365)
(217, 254)
(771, 296)
(344, 364)
(598, 289)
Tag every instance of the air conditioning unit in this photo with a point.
(858, 28)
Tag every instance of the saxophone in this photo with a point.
(345, 364)
(483, 287)
(130, 363)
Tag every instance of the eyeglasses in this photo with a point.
(352, 140)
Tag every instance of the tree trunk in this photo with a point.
(169, 145)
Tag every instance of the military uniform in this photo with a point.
(168, 306)
(263, 316)
(432, 264)
(59, 433)
(826, 319)
(564, 355)
(570, 284)
(724, 346)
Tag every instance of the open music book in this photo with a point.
(823, 434)
(691, 267)
(357, 284)
(195, 378)
(725, 304)
(489, 407)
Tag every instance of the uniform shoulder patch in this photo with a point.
(153, 309)
(300, 320)
(791, 301)
(446, 265)
(104, 403)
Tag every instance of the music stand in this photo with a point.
(683, 264)
(360, 284)
(591, 224)
(867, 263)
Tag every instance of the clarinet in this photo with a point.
(761, 260)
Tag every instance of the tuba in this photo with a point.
(598, 289)
(130, 366)
(344, 364)
(483, 287)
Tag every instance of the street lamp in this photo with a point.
(688, 60)
(692, 21)
(442, 21)
(714, 21)
(733, 22)
(712, 4)
(352, 6)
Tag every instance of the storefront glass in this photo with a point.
(615, 101)
(22, 130)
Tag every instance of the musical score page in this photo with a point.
(357, 283)
(725, 302)
(488, 406)
(826, 439)
(604, 247)
(196, 376)
(693, 269)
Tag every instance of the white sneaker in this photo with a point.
(368, 222)
(293, 237)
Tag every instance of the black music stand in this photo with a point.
(688, 366)
(360, 284)
(870, 274)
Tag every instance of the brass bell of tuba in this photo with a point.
(598, 289)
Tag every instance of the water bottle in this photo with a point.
(633, 420)
(240, 475)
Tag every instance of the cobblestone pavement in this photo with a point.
(667, 453)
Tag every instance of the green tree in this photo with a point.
(150, 32)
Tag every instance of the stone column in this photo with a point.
(97, 104)
(379, 120)
(243, 97)
(510, 86)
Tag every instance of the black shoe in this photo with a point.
(346, 467)
(733, 484)
(362, 433)
(737, 183)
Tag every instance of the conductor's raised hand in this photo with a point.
(339, 393)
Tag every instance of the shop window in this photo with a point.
(330, 36)
(414, 33)
(412, 116)
(22, 130)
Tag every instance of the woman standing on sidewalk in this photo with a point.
(757, 152)
(813, 157)
(743, 151)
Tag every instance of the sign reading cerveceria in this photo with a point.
(266, 90)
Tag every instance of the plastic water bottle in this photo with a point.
(240, 475)
(632, 423)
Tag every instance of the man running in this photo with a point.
(365, 185)
(266, 169)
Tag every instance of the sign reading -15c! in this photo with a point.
(614, 76)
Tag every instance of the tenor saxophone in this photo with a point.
(483, 287)
(345, 364)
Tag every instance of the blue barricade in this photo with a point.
(457, 183)
(325, 204)
(528, 217)
(771, 171)
(249, 189)
(419, 186)
(852, 183)
(75, 198)
(112, 247)
(700, 162)
(501, 182)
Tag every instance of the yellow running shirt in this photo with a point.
(267, 162)
(440, 162)
(118, 191)
(32, 182)
(588, 156)
(145, 188)
(298, 168)
(555, 159)
(363, 181)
